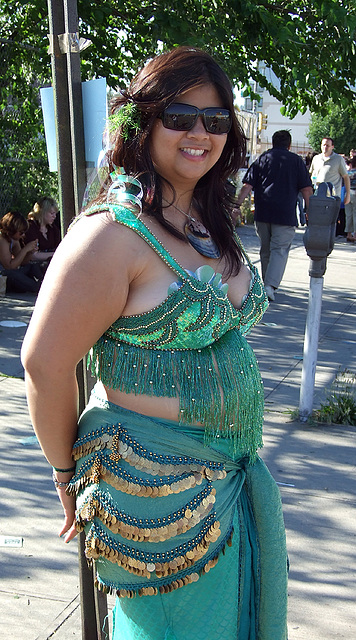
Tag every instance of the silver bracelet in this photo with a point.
(59, 485)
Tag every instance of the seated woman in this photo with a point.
(22, 275)
(42, 229)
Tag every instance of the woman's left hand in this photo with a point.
(68, 504)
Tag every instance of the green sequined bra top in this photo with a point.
(190, 346)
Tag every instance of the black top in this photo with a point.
(276, 177)
(44, 244)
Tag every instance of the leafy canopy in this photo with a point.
(309, 44)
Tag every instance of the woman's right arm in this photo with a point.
(19, 255)
(85, 289)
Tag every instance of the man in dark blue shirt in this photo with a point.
(276, 178)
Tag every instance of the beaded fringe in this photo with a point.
(197, 377)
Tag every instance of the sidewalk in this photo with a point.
(314, 466)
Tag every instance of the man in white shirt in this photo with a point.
(329, 166)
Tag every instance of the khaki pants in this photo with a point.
(350, 212)
(276, 240)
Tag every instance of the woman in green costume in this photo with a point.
(181, 516)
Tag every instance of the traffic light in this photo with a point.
(262, 121)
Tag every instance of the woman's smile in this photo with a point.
(196, 153)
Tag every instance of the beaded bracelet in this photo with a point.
(59, 485)
(63, 470)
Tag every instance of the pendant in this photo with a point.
(199, 237)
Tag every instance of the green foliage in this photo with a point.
(24, 174)
(308, 44)
(340, 405)
(23, 182)
(339, 123)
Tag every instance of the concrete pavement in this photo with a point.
(314, 466)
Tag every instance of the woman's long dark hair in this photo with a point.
(156, 86)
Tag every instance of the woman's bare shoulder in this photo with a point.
(100, 239)
(85, 288)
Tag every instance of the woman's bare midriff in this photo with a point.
(165, 408)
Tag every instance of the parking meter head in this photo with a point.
(322, 216)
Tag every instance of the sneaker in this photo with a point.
(270, 292)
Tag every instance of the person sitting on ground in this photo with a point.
(42, 229)
(22, 275)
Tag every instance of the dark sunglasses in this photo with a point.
(182, 117)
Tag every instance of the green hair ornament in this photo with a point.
(127, 118)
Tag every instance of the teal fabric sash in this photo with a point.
(159, 507)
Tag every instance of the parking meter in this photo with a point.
(320, 233)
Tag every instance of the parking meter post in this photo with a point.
(310, 352)
(319, 242)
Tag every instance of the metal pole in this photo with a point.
(64, 40)
(93, 603)
(61, 112)
(310, 354)
(75, 102)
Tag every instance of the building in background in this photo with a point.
(269, 119)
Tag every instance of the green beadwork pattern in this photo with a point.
(191, 346)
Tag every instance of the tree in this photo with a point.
(339, 123)
(309, 45)
(24, 174)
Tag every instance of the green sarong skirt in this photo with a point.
(190, 540)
